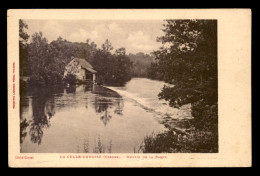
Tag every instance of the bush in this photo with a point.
(205, 116)
(173, 142)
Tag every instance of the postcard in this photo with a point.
(129, 88)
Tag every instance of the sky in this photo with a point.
(134, 35)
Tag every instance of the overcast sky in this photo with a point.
(134, 35)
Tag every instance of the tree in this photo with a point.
(107, 46)
(121, 67)
(63, 50)
(45, 67)
(188, 60)
(120, 51)
(190, 63)
(23, 36)
(113, 69)
(141, 63)
(23, 47)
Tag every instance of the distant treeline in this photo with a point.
(141, 63)
(44, 63)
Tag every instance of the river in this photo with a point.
(93, 118)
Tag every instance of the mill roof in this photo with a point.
(83, 63)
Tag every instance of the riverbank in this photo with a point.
(181, 137)
(173, 141)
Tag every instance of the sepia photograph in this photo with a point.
(132, 91)
(120, 86)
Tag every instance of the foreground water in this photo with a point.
(93, 118)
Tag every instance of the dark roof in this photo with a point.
(84, 64)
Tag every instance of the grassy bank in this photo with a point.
(174, 141)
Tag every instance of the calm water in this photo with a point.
(93, 118)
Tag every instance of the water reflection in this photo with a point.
(99, 147)
(71, 89)
(58, 120)
(24, 104)
(104, 107)
(105, 118)
(23, 126)
(24, 123)
(119, 107)
(43, 109)
(44, 103)
(101, 106)
(105, 102)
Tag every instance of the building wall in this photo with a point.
(81, 74)
(78, 71)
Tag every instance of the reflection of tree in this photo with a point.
(24, 103)
(107, 100)
(105, 92)
(105, 118)
(71, 89)
(89, 87)
(50, 108)
(43, 109)
(23, 125)
(99, 146)
(119, 104)
(102, 105)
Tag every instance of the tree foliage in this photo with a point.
(45, 62)
(188, 60)
(23, 39)
(45, 67)
(113, 69)
(141, 63)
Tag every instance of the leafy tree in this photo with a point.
(23, 47)
(113, 69)
(63, 50)
(120, 52)
(107, 46)
(45, 68)
(23, 36)
(122, 67)
(189, 62)
(102, 63)
(141, 63)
